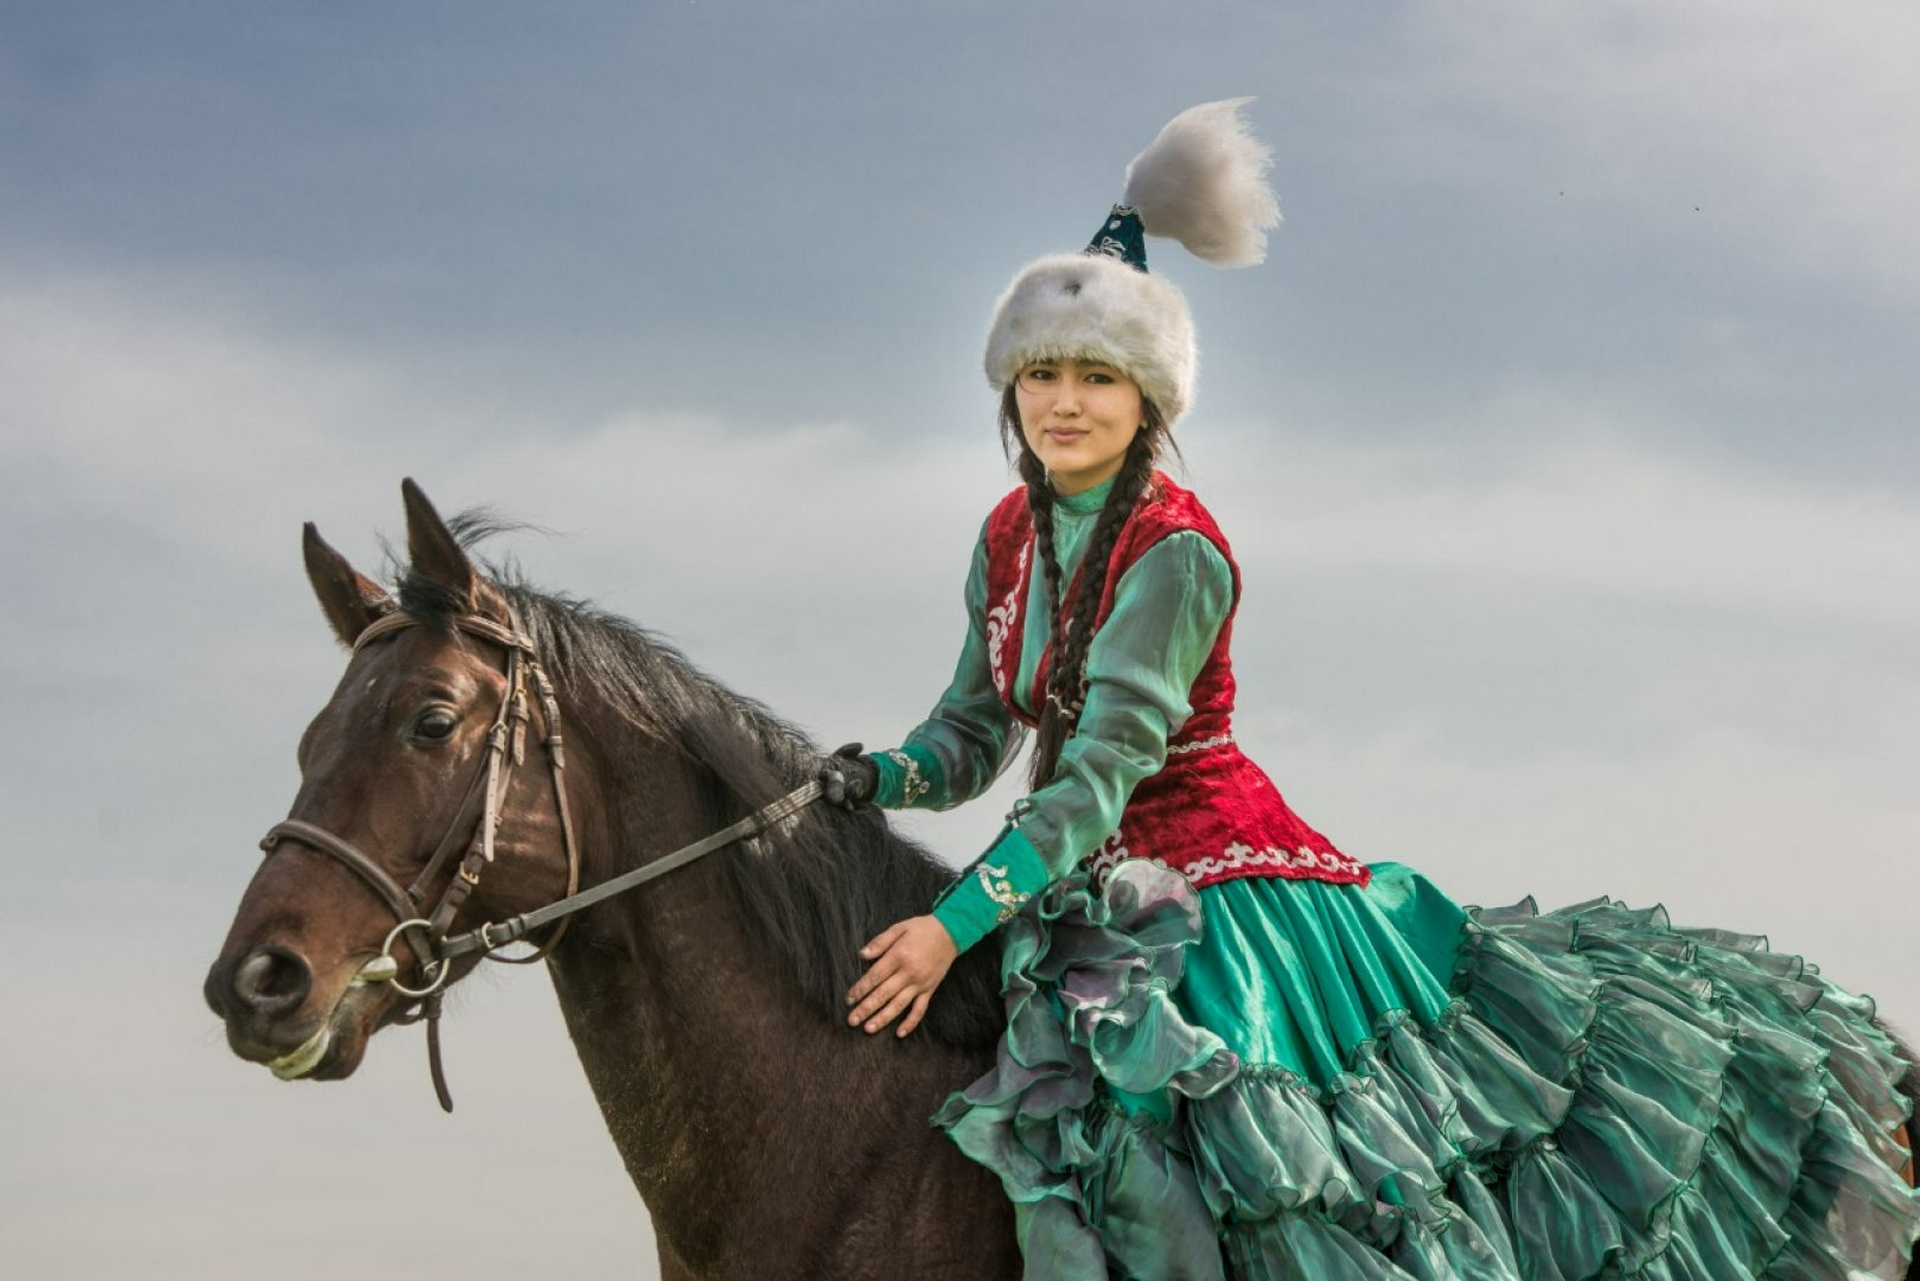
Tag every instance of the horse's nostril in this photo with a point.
(272, 981)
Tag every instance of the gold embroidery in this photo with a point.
(1239, 857)
(1001, 890)
(1109, 856)
(1205, 744)
(1000, 621)
(913, 786)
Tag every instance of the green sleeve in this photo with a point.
(989, 892)
(957, 752)
(1168, 610)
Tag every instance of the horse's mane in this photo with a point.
(828, 881)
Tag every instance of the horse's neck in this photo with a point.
(718, 1081)
(674, 1034)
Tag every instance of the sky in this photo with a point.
(1566, 440)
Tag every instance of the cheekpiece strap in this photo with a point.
(1124, 236)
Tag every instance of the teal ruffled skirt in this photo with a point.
(1289, 1079)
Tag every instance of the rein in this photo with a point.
(500, 933)
(427, 932)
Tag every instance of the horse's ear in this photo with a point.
(435, 552)
(349, 600)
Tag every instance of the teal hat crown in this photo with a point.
(1124, 236)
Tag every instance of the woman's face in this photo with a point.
(1078, 416)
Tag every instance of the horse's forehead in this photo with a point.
(416, 649)
(416, 659)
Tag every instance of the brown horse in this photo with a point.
(767, 1139)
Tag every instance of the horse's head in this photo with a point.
(399, 774)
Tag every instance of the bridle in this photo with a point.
(474, 825)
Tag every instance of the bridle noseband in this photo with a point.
(474, 824)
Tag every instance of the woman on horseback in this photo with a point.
(1232, 1049)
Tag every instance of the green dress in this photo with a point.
(1273, 1078)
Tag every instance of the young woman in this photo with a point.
(1232, 1049)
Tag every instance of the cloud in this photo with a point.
(1785, 125)
(818, 564)
(1591, 509)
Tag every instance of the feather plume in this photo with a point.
(1203, 182)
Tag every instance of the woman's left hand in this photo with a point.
(908, 961)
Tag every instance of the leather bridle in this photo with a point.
(474, 825)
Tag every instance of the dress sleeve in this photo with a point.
(1168, 610)
(957, 752)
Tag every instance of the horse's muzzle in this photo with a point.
(258, 995)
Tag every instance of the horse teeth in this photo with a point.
(292, 1066)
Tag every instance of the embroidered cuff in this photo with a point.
(907, 778)
(989, 892)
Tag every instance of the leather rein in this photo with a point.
(474, 825)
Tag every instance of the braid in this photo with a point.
(1040, 503)
(1066, 674)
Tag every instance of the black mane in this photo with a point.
(830, 881)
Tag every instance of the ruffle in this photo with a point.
(1087, 980)
(1732, 1108)
(1600, 1095)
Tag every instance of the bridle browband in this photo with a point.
(427, 932)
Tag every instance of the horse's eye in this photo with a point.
(434, 726)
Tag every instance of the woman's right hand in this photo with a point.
(909, 958)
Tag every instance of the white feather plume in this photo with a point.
(1203, 182)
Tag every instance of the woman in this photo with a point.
(1233, 1049)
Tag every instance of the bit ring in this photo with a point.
(435, 970)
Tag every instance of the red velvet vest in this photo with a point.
(1210, 813)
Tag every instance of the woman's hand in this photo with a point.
(908, 961)
(847, 778)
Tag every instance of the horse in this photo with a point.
(707, 1007)
(766, 1137)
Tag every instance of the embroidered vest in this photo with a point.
(1209, 813)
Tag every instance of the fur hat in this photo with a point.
(1201, 182)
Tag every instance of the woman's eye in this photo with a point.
(434, 726)
(1099, 379)
(1040, 375)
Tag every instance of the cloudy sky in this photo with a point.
(1567, 440)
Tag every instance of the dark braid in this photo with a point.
(1066, 674)
(1040, 503)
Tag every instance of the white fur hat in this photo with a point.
(1201, 182)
